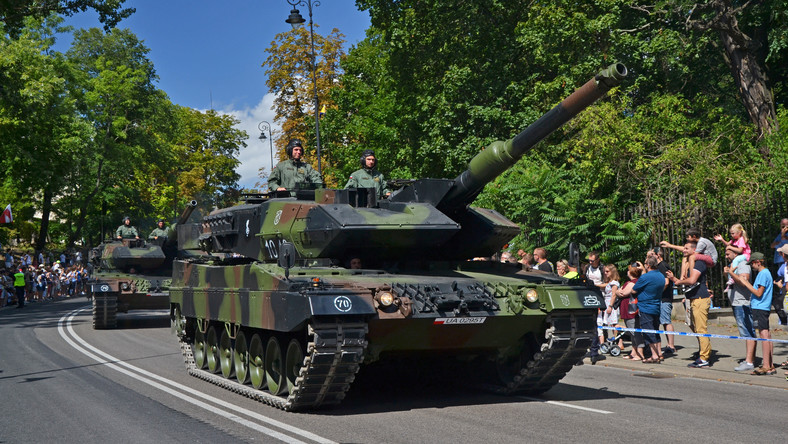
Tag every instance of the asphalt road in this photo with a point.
(61, 381)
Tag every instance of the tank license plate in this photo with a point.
(459, 321)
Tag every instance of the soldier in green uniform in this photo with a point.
(127, 231)
(288, 173)
(368, 176)
(160, 232)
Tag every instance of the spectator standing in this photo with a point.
(610, 315)
(629, 312)
(9, 259)
(595, 272)
(739, 296)
(562, 267)
(666, 304)
(780, 240)
(700, 302)
(19, 288)
(649, 289)
(761, 305)
(540, 255)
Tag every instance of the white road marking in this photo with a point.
(563, 404)
(150, 378)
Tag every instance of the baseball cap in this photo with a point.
(756, 256)
(783, 249)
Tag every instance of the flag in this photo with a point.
(323, 110)
(6, 218)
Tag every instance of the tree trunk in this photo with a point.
(83, 208)
(753, 90)
(46, 208)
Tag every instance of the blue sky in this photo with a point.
(209, 54)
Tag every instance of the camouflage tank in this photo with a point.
(132, 274)
(279, 315)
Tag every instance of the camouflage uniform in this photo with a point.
(290, 172)
(126, 232)
(159, 232)
(365, 178)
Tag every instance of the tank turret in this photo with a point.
(429, 218)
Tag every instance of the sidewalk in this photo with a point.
(725, 355)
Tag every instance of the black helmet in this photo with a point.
(364, 155)
(126, 218)
(160, 220)
(291, 144)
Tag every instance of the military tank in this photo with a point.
(280, 316)
(133, 274)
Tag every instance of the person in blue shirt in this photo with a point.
(761, 305)
(649, 292)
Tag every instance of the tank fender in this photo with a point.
(560, 298)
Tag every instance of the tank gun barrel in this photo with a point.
(187, 212)
(500, 156)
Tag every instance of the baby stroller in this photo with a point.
(611, 344)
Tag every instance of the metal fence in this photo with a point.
(669, 218)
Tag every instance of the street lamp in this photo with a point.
(263, 127)
(296, 20)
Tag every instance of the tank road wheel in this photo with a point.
(293, 362)
(256, 362)
(105, 311)
(274, 367)
(241, 358)
(212, 350)
(226, 355)
(198, 348)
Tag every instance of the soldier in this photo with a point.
(126, 231)
(288, 173)
(368, 176)
(160, 232)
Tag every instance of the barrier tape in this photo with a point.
(697, 335)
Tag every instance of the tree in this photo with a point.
(290, 69)
(14, 12)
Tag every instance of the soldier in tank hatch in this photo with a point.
(368, 176)
(160, 232)
(126, 230)
(294, 170)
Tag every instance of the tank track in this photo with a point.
(105, 311)
(565, 345)
(334, 354)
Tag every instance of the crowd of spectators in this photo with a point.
(26, 278)
(645, 300)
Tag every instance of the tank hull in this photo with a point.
(478, 316)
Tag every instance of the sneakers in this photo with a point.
(744, 367)
(699, 363)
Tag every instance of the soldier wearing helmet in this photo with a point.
(160, 232)
(294, 170)
(126, 231)
(368, 176)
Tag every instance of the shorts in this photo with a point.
(743, 315)
(665, 312)
(760, 319)
(649, 322)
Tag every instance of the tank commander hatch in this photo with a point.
(368, 176)
(294, 170)
(126, 230)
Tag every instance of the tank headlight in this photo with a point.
(125, 286)
(385, 298)
(532, 296)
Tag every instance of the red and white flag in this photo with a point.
(7, 218)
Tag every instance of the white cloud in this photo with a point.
(257, 152)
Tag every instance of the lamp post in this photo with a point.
(263, 127)
(295, 20)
